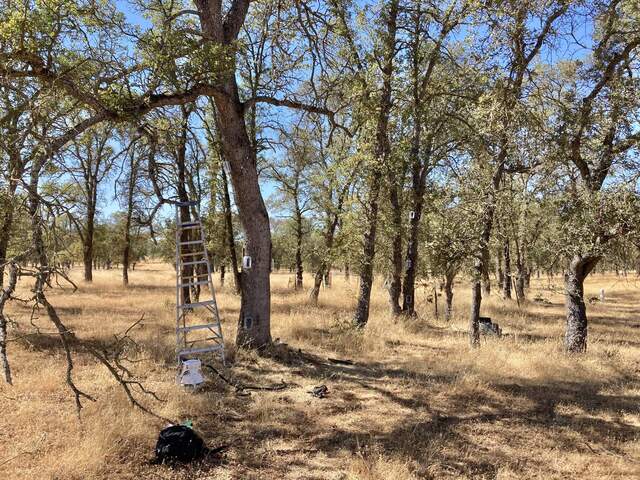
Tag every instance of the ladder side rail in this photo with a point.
(213, 294)
(209, 274)
(185, 254)
(179, 312)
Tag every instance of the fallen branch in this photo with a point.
(240, 387)
(339, 361)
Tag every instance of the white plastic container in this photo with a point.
(191, 374)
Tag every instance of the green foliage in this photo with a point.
(587, 221)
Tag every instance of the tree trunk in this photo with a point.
(6, 368)
(16, 169)
(228, 220)
(126, 253)
(125, 256)
(299, 232)
(499, 271)
(331, 225)
(419, 167)
(448, 293)
(482, 255)
(87, 247)
(395, 286)
(575, 340)
(366, 269)
(185, 213)
(408, 292)
(486, 280)
(476, 301)
(381, 157)
(254, 323)
(317, 283)
(5, 232)
(506, 281)
(222, 272)
(5, 295)
(521, 277)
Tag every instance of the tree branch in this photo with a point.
(296, 105)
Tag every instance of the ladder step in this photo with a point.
(195, 275)
(188, 203)
(198, 327)
(205, 303)
(191, 242)
(189, 226)
(185, 254)
(197, 262)
(191, 351)
(193, 284)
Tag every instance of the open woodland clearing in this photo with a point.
(416, 403)
(384, 153)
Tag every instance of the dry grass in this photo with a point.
(417, 403)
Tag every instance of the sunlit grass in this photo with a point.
(417, 403)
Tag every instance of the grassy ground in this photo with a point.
(416, 403)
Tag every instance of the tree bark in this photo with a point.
(506, 280)
(381, 154)
(575, 340)
(448, 293)
(419, 166)
(87, 247)
(486, 280)
(14, 173)
(521, 278)
(329, 236)
(92, 174)
(5, 232)
(317, 283)
(482, 256)
(231, 241)
(408, 284)
(395, 286)
(126, 253)
(476, 301)
(254, 323)
(499, 271)
(183, 196)
(299, 234)
(366, 268)
(5, 295)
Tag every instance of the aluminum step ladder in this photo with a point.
(198, 329)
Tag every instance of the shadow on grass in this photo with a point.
(443, 437)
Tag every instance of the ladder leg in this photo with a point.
(188, 278)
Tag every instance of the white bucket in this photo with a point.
(191, 374)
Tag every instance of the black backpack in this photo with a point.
(179, 443)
